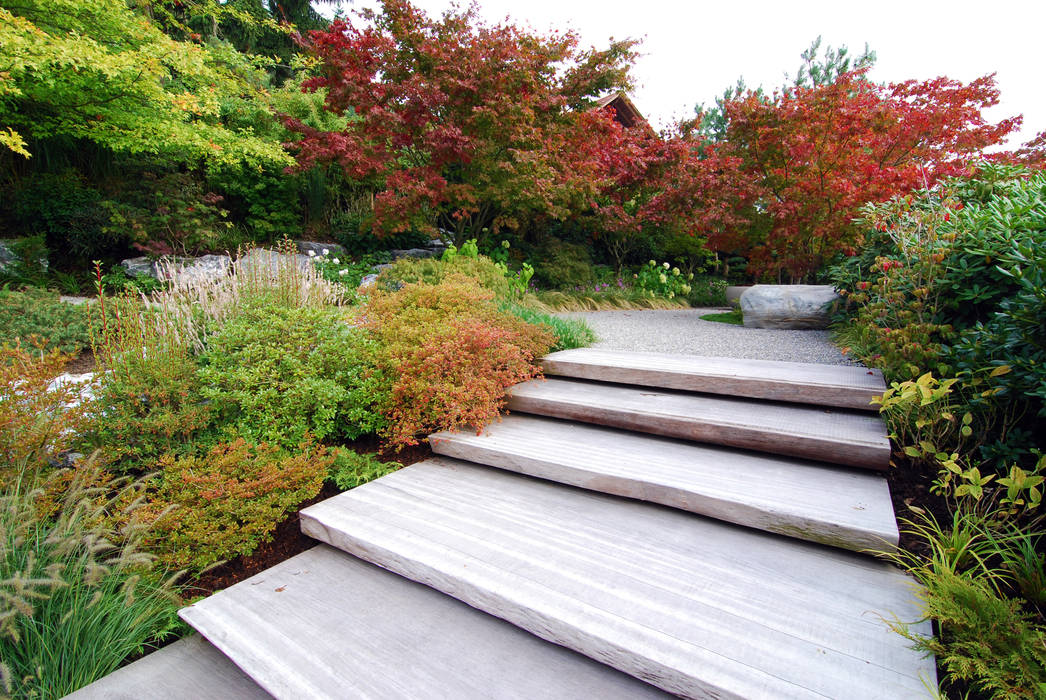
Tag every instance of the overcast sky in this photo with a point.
(692, 51)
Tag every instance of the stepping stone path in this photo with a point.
(642, 525)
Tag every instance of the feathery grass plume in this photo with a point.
(76, 594)
(552, 301)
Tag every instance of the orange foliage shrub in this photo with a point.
(451, 355)
(229, 501)
(37, 419)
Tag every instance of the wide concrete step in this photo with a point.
(832, 435)
(848, 508)
(695, 606)
(325, 624)
(189, 668)
(799, 382)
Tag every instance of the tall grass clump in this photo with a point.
(569, 333)
(76, 599)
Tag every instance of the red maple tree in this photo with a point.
(810, 156)
(460, 125)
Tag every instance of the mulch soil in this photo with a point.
(910, 488)
(82, 363)
(288, 540)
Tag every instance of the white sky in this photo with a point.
(692, 51)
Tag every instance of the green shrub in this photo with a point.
(432, 271)
(149, 395)
(169, 213)
(73, 606)
(449, 354)
(986, 639)
(563, 266)
(663, 280)
(707, 291)
(350, 469)
(40, 313)
(229, 501)
(274, 373)
(117, 281)
(69, 213)
(569, 333)
(346, 273)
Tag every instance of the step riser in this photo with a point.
(822, 385)
(324, 624)
(727, 506)
(866, 457)
(752, 389)
(547, 627)
(695, 607)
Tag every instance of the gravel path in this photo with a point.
(682, 331)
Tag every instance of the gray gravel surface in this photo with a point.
(682, 331)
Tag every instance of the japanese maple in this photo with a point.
(811, 155)
(458, 124)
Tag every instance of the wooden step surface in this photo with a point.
(824, 385)
(831, 435)
(325, 624)
(185, 670)
(848, 508)
(698, 607)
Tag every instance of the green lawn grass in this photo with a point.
(733, 317)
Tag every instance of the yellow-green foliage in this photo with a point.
(432, 271)
(97, 70)
(986, 639)
(229, 501)
(351, 469)
(276, 373)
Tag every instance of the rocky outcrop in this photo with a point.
(788, 306)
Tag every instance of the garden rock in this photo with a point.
(367, 282)
(84, 381)
(413, 253)
(9, 254)
(317, 249)
(733, 294)
(788, 306)
(136, 267)
(204, 267)
(270, 260)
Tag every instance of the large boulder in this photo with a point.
(137, 267)
(204, 267)
(788, 306)
(12, 251)
(263, 260)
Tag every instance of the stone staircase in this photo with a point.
(640, 525)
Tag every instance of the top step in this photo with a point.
(799, 382)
